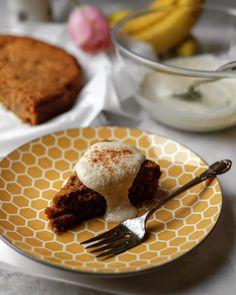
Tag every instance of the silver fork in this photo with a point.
(132, 232)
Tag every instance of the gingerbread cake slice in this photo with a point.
(76, 202)
(38, 81)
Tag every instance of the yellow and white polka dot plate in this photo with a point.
(30, 176)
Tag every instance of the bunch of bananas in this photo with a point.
(165, 29)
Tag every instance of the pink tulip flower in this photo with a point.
(89, 28)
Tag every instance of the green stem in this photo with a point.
(74, 3)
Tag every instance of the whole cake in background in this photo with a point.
(38, 81)
(110, 179)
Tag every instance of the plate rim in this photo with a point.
(109, 274)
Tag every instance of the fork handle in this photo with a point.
(215, 169)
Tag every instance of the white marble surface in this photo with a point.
(208, 269)
(12, 282)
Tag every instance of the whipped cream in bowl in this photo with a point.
(216, 109)
(109, 168)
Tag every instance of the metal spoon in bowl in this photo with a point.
(192, 94)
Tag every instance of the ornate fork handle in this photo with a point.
(215, 169)
(132, 232)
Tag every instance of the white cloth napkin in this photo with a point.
(99, 95)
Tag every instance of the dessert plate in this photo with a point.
(30, 175)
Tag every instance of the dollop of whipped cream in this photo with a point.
(109, 168)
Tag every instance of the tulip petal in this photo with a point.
(89, 28)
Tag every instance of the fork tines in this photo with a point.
(112, 242)
(106, 234)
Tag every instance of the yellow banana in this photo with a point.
(117, 16)
(160, 3)
(145, 21)
(189, 47)
(172, 29)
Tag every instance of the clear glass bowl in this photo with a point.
(167, 49)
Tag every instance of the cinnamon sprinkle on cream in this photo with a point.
(110, 168)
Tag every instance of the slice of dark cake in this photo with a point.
(75, 202)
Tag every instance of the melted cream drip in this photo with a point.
(110, 168)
